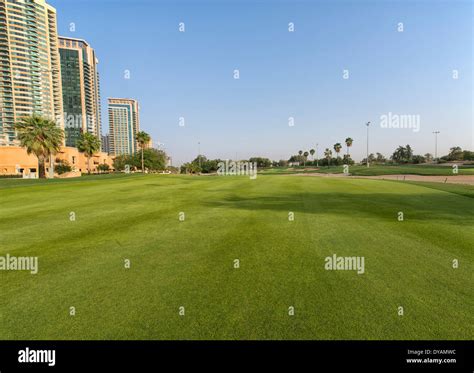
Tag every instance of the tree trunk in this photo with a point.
(41, 168)
(143, 164)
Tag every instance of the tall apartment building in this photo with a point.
(80, 89)
(105, 144)
(124, 124)
(30, 75)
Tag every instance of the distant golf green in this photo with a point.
(191, 263)
(375, 170)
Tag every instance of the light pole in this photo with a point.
(317, 156)
(199, 151)
(367, 159)
(436, 144)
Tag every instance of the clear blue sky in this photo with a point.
(283, 74)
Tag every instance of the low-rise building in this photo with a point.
(15, 160)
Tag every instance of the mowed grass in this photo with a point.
(376, 170)
(191, 263)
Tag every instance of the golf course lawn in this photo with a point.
(375, 170)
(190, 263)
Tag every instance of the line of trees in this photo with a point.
(405, 155)
(147, 159)
(207, 166)
(43, 138)
(328, 159)
(200, 165)
(457, 154)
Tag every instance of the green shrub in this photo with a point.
(62, 167)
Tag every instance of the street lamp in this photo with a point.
(367, 159)
(317, 157)
(436, 144)
(199, 155)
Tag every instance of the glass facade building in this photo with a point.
(80, 89)
(105, 144)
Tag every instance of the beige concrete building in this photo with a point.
(124, 124)
(30, 76)
(149, 144)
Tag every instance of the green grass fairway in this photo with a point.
(375, 170)
(191, 263)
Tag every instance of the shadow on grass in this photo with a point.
(449, 208)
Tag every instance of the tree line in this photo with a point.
(43, 138)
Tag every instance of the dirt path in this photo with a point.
(454, 179)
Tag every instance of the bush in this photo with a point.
(468, 155)
(190, 168)
(11, 176)
(120, 161)
(261, 162)
(103, 167)
(417, 159)
(347, 159)
(336, 161)
(153, 159)
(62, 167)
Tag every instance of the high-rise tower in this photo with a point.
(80, 89)
(124, 124)
(30, 75)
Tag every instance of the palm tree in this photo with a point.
(349, 142)
(305, 154)
(337, 148)
(328, 155)
(312, 151)
(41, 137)
(300, 152)
(89, 145)
(143, 139)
